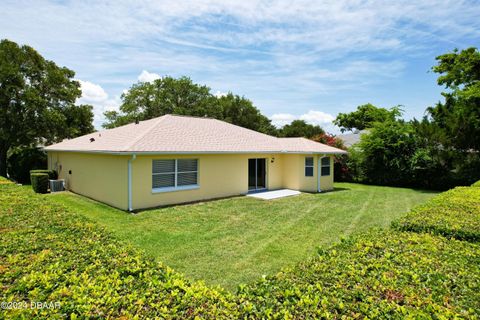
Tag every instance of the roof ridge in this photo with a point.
(155, 122)
(188, 116)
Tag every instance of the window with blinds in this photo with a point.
(309, 167)
(174, 173)
(325, 166)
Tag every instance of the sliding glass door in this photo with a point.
(257, 172)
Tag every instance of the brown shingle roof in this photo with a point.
(182, 134)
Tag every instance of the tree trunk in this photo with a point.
(3, 161)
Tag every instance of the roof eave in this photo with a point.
(110, 152)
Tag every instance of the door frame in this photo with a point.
(319, 171)
(256, 175)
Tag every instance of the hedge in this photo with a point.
(52, 174)
(378, 276)
(50, 254)
(39, 182)
(455, 213)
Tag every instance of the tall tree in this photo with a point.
(241, 112)
(458, 117)
(36, 97)
(147, 100)
(299, 128)
(365, 116)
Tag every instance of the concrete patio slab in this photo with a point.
(269, 195)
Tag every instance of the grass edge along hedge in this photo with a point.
(49, 253)
(454, 213)
(4, 180)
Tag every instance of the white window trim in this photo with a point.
(180, 188)
(175, 174)
(325, 166)
(312, 166)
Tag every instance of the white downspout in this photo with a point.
(134, 156)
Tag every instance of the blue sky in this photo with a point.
(294, 59)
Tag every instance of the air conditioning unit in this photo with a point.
(57, 185)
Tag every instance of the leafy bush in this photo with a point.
(476, 184)
(383, 154)
(377, 276)
(394, 153)
(22, 160)
(455, 213)
(48, 253)
(39, 182)
(52, 174)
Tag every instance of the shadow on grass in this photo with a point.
(336, 190)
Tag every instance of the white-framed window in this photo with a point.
(308, 166)
(174, 174)
(325, 166)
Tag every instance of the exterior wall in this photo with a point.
(105, 177)
(219, 175)
(97, 176)
(326, 182)
(294, 173)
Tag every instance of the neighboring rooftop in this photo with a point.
(183, 134)
(350, 139)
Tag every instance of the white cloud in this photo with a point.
(281, 119)
(284, 53)
(146, 76)
(96, 96)
(220, 94)
(317, 117)
(91, 92)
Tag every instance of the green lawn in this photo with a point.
(237, 240)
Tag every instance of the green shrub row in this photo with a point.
(50, 254)
(39, 182)
(381, 275)
(455, 213)
(52, 174)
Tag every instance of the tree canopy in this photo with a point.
(299, 128)
(37, 100)
(458, 117)
(167, 95)
(241, 112)
(365, 116)
(439, 151)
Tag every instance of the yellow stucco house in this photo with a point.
(176, 159)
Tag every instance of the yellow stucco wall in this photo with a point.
(97, 176)
(105, 177)
(326, 182)
(294, 173)
(218, 176)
